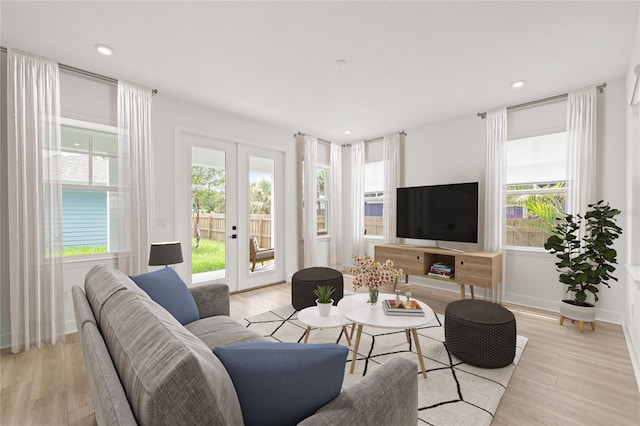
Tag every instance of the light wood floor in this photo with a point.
(564, 377)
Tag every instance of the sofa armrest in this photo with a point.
(387, 395)
(211, 299)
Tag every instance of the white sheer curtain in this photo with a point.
(310, 220)
(135, 177)
(390, 160)
(357, 194)
(335, 194)
(35, 201)
(494, 191)
(581, 171)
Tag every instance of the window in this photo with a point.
(322, 179)
(88, 171)
(373, 192)
(535, 188)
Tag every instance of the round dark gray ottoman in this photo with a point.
(480, 333)
(306, 280)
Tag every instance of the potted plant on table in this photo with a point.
(324, 300)
(585, 262)
(373, 274)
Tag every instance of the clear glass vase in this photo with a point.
(373, 295)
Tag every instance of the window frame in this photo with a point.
(379, 197)
(326, 199)
(88, 126)
(553, 190)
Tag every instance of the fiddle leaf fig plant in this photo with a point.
(586, 262)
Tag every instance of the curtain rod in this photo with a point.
(85, 72)
(304, 134)
(403, 133)
(599, 88)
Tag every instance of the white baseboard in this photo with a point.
(552, 305)
(531, 302)
(69, 327)
(635, 356)
(5, 340)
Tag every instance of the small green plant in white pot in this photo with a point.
(324, 300)
(585, 262)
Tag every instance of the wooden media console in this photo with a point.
(472, 268)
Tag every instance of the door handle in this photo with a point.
(233, 236)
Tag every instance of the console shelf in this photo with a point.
(472, 268)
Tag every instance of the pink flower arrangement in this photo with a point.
(371, 273)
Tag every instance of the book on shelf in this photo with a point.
(441, 270)
(442, 267)
(411, 308)
(437, 271)
(446, 277)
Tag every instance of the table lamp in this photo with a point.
(168, 253)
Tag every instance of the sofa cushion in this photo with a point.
(222, 331)
(283, 383)
(166, 288)
(169, 375)
(103, 282)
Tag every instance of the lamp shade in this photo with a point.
(165, 253)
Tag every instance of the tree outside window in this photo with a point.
(208, 189)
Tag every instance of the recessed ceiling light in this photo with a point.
(517, 84)
(104, 49)
(347, 132)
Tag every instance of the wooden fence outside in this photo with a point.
(213, 227)
(373, 225)
(520, 232)
(526, 232)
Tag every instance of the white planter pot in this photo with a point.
(324, 308)
(581, 314)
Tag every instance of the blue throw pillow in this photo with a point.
(283, 383)
(167, 289)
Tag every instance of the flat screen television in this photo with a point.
(439, 212)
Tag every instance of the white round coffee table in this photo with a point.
(311, 318)
(355, 308)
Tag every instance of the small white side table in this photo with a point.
(311, 318)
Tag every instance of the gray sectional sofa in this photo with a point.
(144, 367)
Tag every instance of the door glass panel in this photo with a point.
(262, 250)
(208, 218)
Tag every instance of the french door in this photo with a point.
(232, 231)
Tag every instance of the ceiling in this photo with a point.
(409, 63)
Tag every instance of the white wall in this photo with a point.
(167, 115)
(446, 152)
(454, 151)
(171, 114)
(632, 290)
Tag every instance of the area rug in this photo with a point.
(454, 393)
